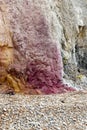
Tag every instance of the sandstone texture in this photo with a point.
(43, 51)
(42, 44)
(34, 60)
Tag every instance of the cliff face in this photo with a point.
(39, 40)
(73, 41)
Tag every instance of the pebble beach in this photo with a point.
(44, 112)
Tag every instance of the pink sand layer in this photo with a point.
(36, 46)
(48, 79)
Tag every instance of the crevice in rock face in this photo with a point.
(80, 48)
(82, 31)
(81, 56)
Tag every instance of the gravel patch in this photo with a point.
(54, 112)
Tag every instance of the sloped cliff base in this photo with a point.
(54, 112)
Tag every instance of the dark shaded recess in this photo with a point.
(81, 58)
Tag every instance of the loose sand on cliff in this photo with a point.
(55, 112)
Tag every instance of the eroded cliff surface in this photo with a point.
(32, 42)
